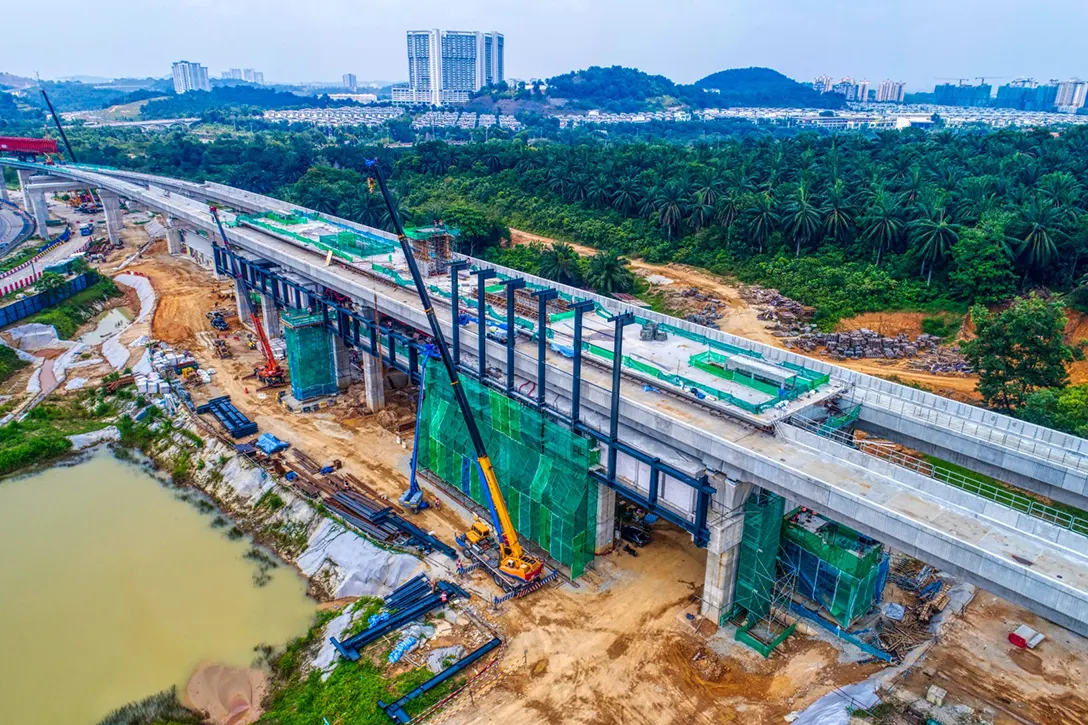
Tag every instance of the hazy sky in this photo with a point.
(912, 40)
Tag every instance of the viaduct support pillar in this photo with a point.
(3, 184)
(719, 586)
(41, 213)
(606, 519)
(24, 181)
(270, 317)
(374, 381)
(341, 363)
(240, 293)
(173, 236)
(111, 205)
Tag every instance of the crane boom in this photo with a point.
(515, 560)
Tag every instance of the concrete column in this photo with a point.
(240, 302)
(111, 205)
(270, 317)
(726, 528)
(341, 362)
(41, 213)
(24, 181)
(606, 519)
(374, 381)
(173, 236)
(3, 185)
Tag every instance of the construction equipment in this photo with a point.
(271, 374)
(217, 321)
(514, 561)
(221, 349)
(56, 119)
(395, 710)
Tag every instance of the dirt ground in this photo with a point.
(621, 649)
(978, 666)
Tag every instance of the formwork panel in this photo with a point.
(542, 468)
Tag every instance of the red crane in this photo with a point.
(271, 373)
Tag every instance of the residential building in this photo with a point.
(891, 92)
(1024, 94)
(236, 74)
(948, 94)
(190, 77)
(852, 90)
(253, 76)
(822, 84)
(350, 82)
(1071, 95)
(448, 66)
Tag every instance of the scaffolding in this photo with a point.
(431, 247)
(762, 597)
(836, 567)
(309, 354)
(542, 468)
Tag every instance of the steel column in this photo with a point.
(512, 285)
(543, 296)
(455, 302)
(621, 321)
(576, 391)
(482, 275)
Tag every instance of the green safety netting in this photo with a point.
(835, 566)
(756, 563)
(309, 354)
(542, 468)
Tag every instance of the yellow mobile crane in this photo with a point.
(513, 561)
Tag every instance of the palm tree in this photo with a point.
(882, 225)
(1043, 228)
(560, 263)
(670, 208)
(839, 214)
(625, 198)
(762, 219)
(803, 216)
(934, 236)
(609, 273)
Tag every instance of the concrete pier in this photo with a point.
(24, 181)
(111, 205)
(374, 381)
(41, 213)
(240, 304)
(341, 362)
(720, 583)
(173, 236)
(270, 317)
(606, 519)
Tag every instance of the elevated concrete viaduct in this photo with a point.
(693, 463)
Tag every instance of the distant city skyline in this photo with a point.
(920, 43)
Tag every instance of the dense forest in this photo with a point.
(622, 89)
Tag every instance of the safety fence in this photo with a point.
(63, 237)
(27, 306)
(1000, 495)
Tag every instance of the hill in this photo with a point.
(615, 89)
(763, 87)
(623, 90)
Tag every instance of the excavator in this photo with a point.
(513, 560)
(270, 374)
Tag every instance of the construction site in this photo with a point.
(610, 577)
